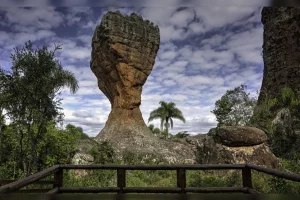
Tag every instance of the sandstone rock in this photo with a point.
(82, 159)
(281, 51)
(123, 54)
(237, 136)
(212, 152)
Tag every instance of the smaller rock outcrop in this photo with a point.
(238, 136)
(234, 145)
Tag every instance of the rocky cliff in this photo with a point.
(281, 50)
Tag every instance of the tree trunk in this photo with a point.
(167, 125)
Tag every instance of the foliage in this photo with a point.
(235, 107)
(263, 115)
(279, 118)
(103, 153)
(182, 134)
(56, 147)
(154, 130)
(166, 113)
(77, 132)
(29, 95)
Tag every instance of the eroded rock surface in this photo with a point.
(237, 136)
(281, 50)
(212, 150)
(123, 54)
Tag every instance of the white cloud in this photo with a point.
(38, 17)
(168, 55)
(182, 18)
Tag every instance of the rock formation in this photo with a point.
(234, 145)
(123, 54)
(281, 50)
(238, 136)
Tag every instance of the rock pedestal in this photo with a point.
(281, 50)
(236, 145)
(123, 54)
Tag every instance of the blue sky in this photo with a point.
(204, 51)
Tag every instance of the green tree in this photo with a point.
(235, 107)
(76, 131)
(166, 113)
(154, 130)
(30, 96)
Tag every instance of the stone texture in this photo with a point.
(123, 54)
(281, 50)
(237, 136)
(210, 151)
(82, 159)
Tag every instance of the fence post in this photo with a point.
(58, 178)
(121, 179)
(247, 180)
(181, 179)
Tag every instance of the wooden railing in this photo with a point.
(57, 171)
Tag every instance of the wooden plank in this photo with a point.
(88, 189)
(121, 179)
(41, 182)
(216, 190)
(181, 179)
(58, 177)
(53, 191)
(11, 187)
(247, 179)
(152, 190)
(252, 191)
(34, 191)
(157, 167)
(280, 174)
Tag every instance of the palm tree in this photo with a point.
(166, 113)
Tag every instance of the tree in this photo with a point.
(29, 94)
(154, 130)
(76, 131)
(166, 113)
(235, 107)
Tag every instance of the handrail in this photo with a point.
(274, 172)
(11, 187)
(41, 182)
(57, 170)
(156, 167)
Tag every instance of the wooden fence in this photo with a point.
(247, 187)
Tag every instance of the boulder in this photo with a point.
(211, 152)
(237, 136)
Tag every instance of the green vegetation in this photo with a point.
(280, 118)
(31, 141)
(182, 134)
(235, 107)
(166, 113)
(155, 131)
(29, 95)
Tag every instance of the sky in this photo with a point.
(205, 50)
